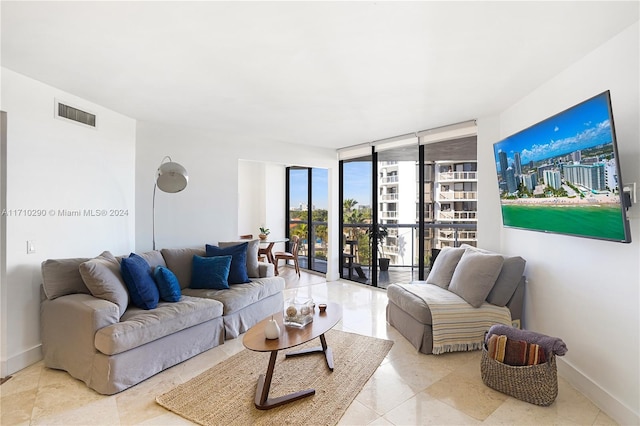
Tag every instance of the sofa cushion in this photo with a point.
(238, 253)
(475, 276)
(444, 266)
(508, 280)
(62, 276)
(239, 296)
(211, 272)
(168, 285)
(180, 261)
(410, 303)
(102, 277)
(253, 246)
(143, 290)
(138, 326)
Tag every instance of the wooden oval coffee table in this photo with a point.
(255, 340)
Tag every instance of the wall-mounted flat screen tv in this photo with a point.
(562, 175)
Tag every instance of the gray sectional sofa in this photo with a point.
(90, 328)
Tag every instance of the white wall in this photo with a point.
(207, 210)
(582, 290)
(54, 165)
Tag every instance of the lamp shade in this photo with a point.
(171, 177)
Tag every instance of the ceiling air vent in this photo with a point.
(74, 114)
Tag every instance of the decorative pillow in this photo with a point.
(62, 276)
(102, 277)
(253, 271)
(137, 276)
(180, 261)
(508, 280)
(168, 284)
(211, 272)
(444, 265)
(238, 272)
(475, 275)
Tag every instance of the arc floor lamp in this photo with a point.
(170, 177)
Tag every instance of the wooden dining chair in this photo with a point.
(246, 237)
(293, 255)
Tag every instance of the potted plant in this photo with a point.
(264, 232)
(379, 237)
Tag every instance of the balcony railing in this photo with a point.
(389, 215)
(389, 197)
(457, 176)
(389, 179)
(458, 195)
(454, 215)
(401, 245)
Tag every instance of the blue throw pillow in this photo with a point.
(238, 272)
(210, 272)
(168, 284)
(136, 273)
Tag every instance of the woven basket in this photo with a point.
(537, 384)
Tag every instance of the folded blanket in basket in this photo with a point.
(550, 344)
(514, 352)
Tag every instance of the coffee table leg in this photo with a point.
(328, 353)
(262, 400)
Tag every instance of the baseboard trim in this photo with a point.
(21, 361)
(614, 408)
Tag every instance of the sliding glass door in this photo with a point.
(307, 215)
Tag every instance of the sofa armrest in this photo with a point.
(266, 269)
(68, 326)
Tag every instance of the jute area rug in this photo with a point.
(224, 394)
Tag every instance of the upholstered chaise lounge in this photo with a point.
(467, 291)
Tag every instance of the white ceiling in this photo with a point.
(330, 74)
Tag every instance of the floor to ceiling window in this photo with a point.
(307, 214)
(420, 196)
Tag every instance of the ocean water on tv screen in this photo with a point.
(602, 221)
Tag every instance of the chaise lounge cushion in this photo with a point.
(444, 266)
(475, 276)
(102, 277)
(138, 326)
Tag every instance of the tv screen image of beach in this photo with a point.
(562, 175)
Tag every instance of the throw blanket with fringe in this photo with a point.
(457, 326)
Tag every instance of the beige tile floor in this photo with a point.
(408, 388)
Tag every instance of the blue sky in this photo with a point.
(357, 182)
(298, 186)
(357, 185)
(582, 126)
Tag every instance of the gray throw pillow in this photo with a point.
(62, 276)
(508, 280)
(102, 277)
(444, 266)
(475, 276)
(180, 262)
(253, 271)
